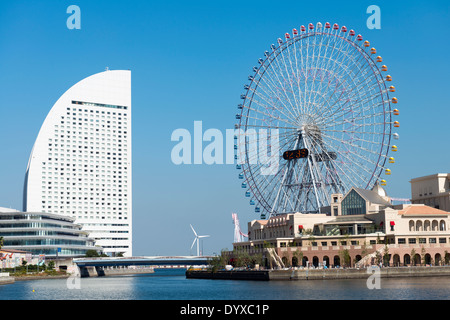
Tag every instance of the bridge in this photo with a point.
(142, 261)
(102, 266)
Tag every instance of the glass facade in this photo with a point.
(349, 229)
(353, 203)
(43, 233)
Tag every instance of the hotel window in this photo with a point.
(442, 240)
(412, 240)
(422, 240)
(401, 240)
(432, 240)
(335, 211)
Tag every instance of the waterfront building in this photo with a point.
(80, 165)
(432, 190)
(366, 228)
(10, 258)
(44, 234)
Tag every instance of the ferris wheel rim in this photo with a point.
(377, 74)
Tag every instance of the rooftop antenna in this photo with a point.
(107, 69)
(197, 238)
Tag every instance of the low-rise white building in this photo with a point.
(432, 190)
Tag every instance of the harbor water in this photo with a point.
(171, 284)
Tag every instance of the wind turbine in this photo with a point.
(197, 238)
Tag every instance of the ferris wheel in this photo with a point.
(321, 96)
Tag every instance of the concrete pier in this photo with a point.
(5, 278)
(319, 274)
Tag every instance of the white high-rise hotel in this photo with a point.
(80, 164)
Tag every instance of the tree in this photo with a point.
(51, 265)
(218, 262)
(257, 259)
(285, 259)
(364, 249)
(299, 256)
(92, 253)
(241, 258)
(311, 239)
(423, 259)
(386, 257)
(345, 257)
(378, 257)
(413, 257)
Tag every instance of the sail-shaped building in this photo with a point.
(80, 165)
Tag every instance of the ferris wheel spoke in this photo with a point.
(362, 158)
(299, 90)
(324, 92)
(337, 48)
(282, 83)
(332, 117)
(324, 164)
(354, 118)
(285, 139)
(354, 96)
(328, 155)
(357, 85)
(348, 167)
(290, 80)
(364, 83)
(270, 84)
(333, 66)
(327, 67)
(267, 104)
(323, 66)
(276, 90)
(336, 103)
(355, 132)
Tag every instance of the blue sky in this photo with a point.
(189, 62)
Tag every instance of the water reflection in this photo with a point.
(172, 285)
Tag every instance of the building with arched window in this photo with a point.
(363, 224)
